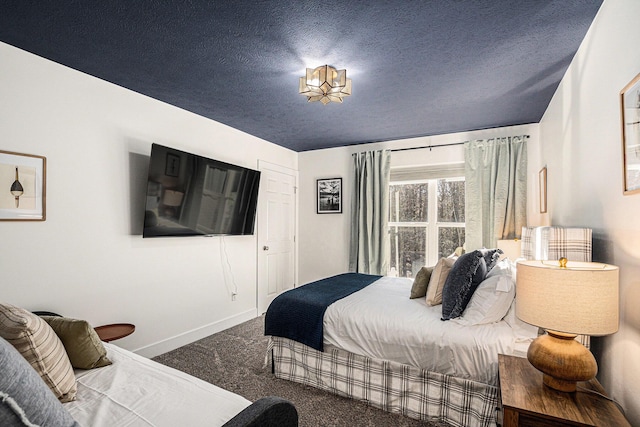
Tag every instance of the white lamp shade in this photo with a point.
(172, 198)
(511, 248)
(579, 299)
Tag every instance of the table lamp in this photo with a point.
(511, 248)
(172, 198)
(567, 299)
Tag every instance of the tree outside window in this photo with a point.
(426, 222)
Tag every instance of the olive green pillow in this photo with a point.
(80, 340)
(420, 283)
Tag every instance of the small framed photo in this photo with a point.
(329, 195)
(630, 112)
(172, 167)
(542, 183)
(22, 187)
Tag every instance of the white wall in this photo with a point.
(324, 239)
(580, 140)
(88, 259)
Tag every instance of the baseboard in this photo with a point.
(188, 337)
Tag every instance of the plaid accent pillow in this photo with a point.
(41, 347)
(553, 243)
(526, 245)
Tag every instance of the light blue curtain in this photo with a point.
(369, 243)
(496, 190)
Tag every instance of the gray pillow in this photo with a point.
(420, 283)
(464, 278)
(40, 346)
(24, 396)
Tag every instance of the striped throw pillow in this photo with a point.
(42, 348)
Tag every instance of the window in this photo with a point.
(426, 222)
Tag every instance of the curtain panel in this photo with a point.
(369, 241)
(496, 190)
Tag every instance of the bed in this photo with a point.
(395, 353)
(41, 383)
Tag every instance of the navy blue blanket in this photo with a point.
(297, 314)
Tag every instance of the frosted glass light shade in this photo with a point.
(325, 84)
(579, 299)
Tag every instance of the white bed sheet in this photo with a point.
(381, 322)
(135, 391)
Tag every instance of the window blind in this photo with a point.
(414, 173)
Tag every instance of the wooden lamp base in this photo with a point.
(562, 360)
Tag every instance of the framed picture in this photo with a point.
(22, 187)
(329, 195)
(172, 167)
(630, 112)
(542, 182)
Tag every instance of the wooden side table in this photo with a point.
(114, 331)
(525, 401)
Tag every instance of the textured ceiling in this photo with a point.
(418, 67)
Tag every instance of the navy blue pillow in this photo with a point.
(464, 278)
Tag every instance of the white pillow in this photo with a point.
(490, 302)
(522, 330)
(504, 267)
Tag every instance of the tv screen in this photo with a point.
(191, 195)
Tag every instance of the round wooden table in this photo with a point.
(114, 331)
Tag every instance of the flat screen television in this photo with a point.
(191, 195)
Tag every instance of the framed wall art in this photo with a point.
(630, 112)
(542, 184)
(172, 168)
(22, 187)
(329, 195)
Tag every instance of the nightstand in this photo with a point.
(525, 401)
(114, 331)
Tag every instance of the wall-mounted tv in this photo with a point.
(191, 195)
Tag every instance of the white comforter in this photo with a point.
(135, 391)
(381, 322)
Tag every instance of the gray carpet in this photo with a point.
(233, 360)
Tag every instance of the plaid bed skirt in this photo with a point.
(390, 386)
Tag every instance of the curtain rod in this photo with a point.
(428, 146)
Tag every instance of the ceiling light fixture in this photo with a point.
(325, 84)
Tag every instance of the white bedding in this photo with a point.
(135, 391)
(381, 322)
